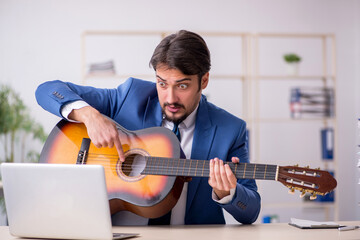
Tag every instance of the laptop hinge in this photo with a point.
(84, 149)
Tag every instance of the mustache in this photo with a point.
(177, 105)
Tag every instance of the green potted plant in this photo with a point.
(292, 60)
(17, 128)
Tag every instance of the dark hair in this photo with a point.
(185, 51)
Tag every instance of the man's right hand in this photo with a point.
(102, 131)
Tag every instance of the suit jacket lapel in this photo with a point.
(153, 113)
(203, 136)
(203, 139)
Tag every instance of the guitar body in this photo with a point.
(145, 195)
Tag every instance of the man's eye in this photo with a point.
(161, 84)
(183, 86)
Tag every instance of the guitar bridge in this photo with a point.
(83, 153)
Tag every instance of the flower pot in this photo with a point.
(293, 69)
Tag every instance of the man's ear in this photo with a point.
(204, 80)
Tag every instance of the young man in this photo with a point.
(182, 64)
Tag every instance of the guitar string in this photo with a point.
(115, 157)
(206, 173)
(126, 166)
(174, 160)
(156, 158)
(187, 171)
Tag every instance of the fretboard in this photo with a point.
(201, 168)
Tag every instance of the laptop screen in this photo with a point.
(56, 201)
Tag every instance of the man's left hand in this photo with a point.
(222, 179)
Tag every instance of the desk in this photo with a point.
(271, 231)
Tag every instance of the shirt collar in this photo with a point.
(187, 122)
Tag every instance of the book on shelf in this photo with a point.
(327, 143)
(102, 68)
(330, 197)
(311, 102)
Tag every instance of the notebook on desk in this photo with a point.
(57, 201)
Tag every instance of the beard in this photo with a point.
(171, 118)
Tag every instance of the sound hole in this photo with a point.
(134, 164)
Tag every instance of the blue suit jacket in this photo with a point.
(135, 105)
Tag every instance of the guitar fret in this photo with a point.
(155, 166)
(173, 167)
(265, 171)
(183, 167)
(202, 173)
(149, 169)
(189, 174)
(244, 170)
(167, 165)
(254, 171)
(164, 167)
(161, 166)
(196, 168)
(177, 168)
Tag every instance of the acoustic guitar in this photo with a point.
(150, 180)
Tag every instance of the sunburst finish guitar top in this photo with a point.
(125, 185)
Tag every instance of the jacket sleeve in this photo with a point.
(53, 95)
(245, 205)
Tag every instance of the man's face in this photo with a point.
(179, 94)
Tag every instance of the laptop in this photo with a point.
(64, 201)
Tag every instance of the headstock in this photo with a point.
(313, 181)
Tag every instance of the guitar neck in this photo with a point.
(201, 168)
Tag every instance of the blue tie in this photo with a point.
(176, 130)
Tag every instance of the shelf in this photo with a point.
(289, 77)
(147, 76)
(235, 76)
(117, 76)
(302, 204)
(295, 35)
(295, 120)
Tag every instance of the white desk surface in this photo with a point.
(276, 231)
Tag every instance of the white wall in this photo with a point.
(40, 40)
(357, 107)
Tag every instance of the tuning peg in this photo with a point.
(296, 165)
(302, 193)
(313, 196)
(307, 166)
(291, 190)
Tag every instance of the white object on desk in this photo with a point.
(347, 228)
(301, 223)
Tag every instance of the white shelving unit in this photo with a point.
(324, 76)
(237, 69)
